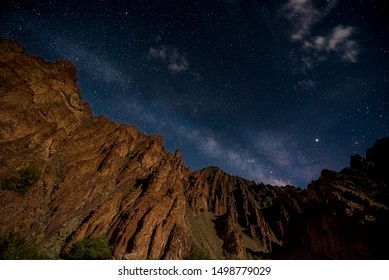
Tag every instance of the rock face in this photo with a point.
(346, 213)
(247, 217)
(102, 178)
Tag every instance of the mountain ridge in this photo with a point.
(99, 178)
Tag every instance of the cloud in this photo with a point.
(338, 36)
(338, 40)
(303, 16)
(319, 42)
(171, 57)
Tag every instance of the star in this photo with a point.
(317, 140)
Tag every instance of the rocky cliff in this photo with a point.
(346, 213)
(98, 178)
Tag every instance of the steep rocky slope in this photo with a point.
(346, 213)
(99, 178)
(247, 217)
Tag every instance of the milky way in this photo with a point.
(272, 92)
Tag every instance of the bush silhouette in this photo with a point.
(92, 248)
(13, 247)
(21, 182)
(198, 254)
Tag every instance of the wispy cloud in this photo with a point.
(175, 61)
(303, 15)
(338, 36)
(339, 40)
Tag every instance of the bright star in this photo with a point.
(317, 140)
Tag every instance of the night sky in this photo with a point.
(273, 91)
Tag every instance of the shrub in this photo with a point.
(92, 248)
(198, 254)
(87, 121)
(21, 182)
(13, 247)
(250, 256)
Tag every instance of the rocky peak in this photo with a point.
(348, 208)
(47, 92)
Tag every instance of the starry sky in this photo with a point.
(273, 91)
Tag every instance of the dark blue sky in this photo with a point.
(272, 91)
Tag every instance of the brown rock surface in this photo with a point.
(102, 178)
(248, 217)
